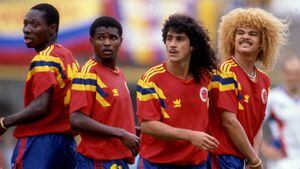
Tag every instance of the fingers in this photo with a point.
(214, 140)
(205, 141)
(133, 142)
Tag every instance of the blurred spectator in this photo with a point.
(283, 151)
(1, 156)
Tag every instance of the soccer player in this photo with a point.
(172, 100)
(283, 119)
(43, 126)
(101, 108)
(239, 94)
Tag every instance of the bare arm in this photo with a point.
(163, 131)
(35, 110)
(88, 125)
(238, 136)
(258, 141)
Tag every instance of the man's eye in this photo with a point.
(180, 39)
(239, 32)
(169, 38)
(114, 38)
(34, 25)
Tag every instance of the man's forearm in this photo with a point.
(163, 131)
(257, 143)
(35, 110)
(238, 136)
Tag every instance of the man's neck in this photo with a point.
(179, 69)
(111, 64)
(247, 62)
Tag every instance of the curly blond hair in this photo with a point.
(273, 30)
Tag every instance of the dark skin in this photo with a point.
(38, 34)
(106, 43)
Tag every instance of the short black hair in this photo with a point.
(105, 21)
(51, 13)
(203, 58)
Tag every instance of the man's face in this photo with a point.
(291, 71)
(247, 40)
(106, 43)
(178, 47)
(37, 32)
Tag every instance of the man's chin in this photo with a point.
(29, 45)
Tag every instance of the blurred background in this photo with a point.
(142, 45)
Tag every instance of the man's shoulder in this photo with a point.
(227, 66)
(59, 50)
(154, 72)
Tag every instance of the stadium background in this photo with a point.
(142, 42)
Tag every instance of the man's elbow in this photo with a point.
(75, 121)
(229, 123)
(145, 127)
(42, 108)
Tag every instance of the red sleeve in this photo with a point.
(40, 82)
(148, 103)
(224, 92)
(82, 95)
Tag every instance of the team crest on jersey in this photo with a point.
(264, 96)
(203, 94)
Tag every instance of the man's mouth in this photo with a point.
(107, 51)
(245, 43)
(27, 39)
(172, 51)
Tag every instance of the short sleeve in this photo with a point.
(224, 91)
(44, 72)
(83, 93)
(149, 102)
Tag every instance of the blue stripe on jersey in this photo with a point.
(224, 81)
(145, 91)
(92, 82)
(162, 103)
(48, 63)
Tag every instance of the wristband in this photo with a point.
(1, 122)
(255, 165)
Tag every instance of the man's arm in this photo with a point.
(238, 136)
(257, 142)
(35, 110)
(163, 131)
(83, 123)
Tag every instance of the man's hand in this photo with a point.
(2, 127)
(255, 165)
(203, 140)
(131, 141)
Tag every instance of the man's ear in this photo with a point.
(53, 29)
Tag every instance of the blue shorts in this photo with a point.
(145, 164)
(49, 151)
(226, 162)
(84, 162)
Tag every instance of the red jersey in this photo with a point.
(233, 91)
(54, 68)
(102, 94)
(164, 97)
